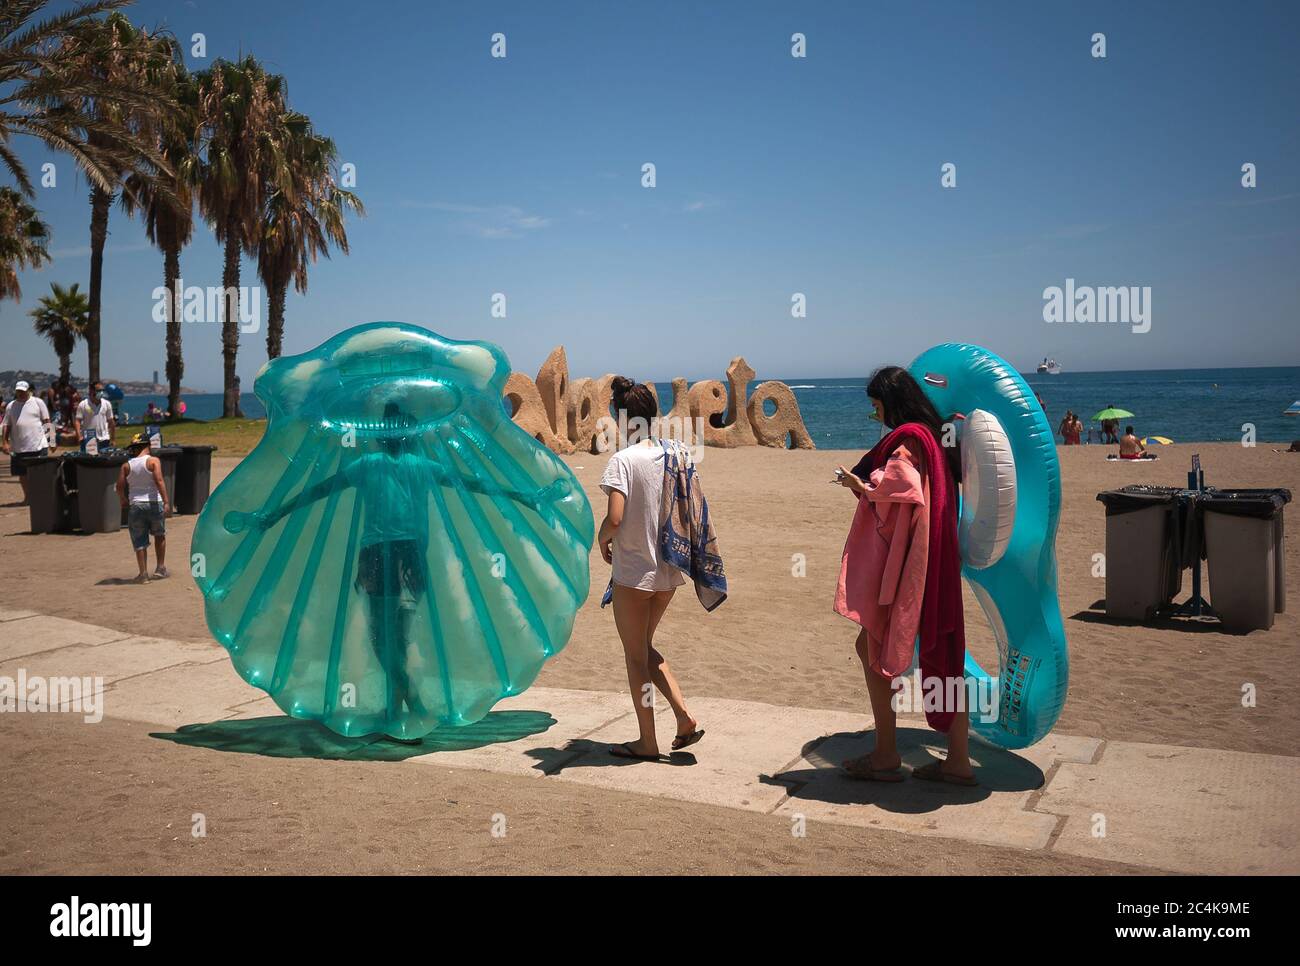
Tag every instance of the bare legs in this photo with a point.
(885, 755)
(636, 615)
(142, 557)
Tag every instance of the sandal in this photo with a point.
(860, 768)
(685, 741)
(625, 751)
(933, 772)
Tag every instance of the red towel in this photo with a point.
(943, 627)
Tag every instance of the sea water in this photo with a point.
(1186, 405)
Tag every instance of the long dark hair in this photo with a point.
(637, 399)
(904, 401)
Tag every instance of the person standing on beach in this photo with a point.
(143, 493)
(26, 432)
(900, 578)
(96, 413)
(394, 482)
(1069, 429)
(1110, 430)
(643, 584)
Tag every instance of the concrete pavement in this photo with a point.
(1165, 807)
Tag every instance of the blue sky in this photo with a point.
(775, 175)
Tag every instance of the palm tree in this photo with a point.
(242, 112)
(45, 94)
(167, 203)
(299, 225)
(113, 54)
(23, 241)
(61, 317)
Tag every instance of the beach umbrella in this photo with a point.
(1113, 413)
(1293, 409)
(1162, 440)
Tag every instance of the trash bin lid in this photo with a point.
(100, 459)
(196, 448)
(1139, 496)
(1266, 502)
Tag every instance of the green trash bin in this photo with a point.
(98, 506)
(1245, 551)
(193, 478)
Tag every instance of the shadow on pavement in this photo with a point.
(284, 737)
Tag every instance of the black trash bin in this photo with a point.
(170, 457)
(193, 478)
(1150, 538)
(1245, 549)
(47, 500)
(98, 505)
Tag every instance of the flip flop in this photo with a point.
(865, 773)
(933, 772)
(685, 741)
(625, 751)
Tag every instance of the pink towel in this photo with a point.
(882, 573)
(942, 623)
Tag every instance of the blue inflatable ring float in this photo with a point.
(1018, 590)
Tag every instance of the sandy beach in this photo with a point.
(93, 799)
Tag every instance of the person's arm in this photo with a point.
(238, 520)
(121, 484)
(51, 437)
(851, 482)
(557, 488)
(4, 431)
(609, 526)
(76, 421)
(155, 467)
(112, 424)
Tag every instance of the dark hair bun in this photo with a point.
(622, 385)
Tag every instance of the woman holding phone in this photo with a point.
(900, 577)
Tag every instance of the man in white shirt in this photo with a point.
(26, 431)
(96, 413)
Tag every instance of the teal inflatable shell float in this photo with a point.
(1011, 504)
(396, 555)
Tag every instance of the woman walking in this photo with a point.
(656, 531)
(900, 577)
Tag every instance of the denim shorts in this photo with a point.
(144, 520)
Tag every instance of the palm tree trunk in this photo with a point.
(100, 201)
(276, 292)
(65, 367)
(230, 324)
(175, 361)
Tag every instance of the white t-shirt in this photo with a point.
(638, 473)
(96, 418)
(26, 422)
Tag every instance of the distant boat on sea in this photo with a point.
(1049, 367)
